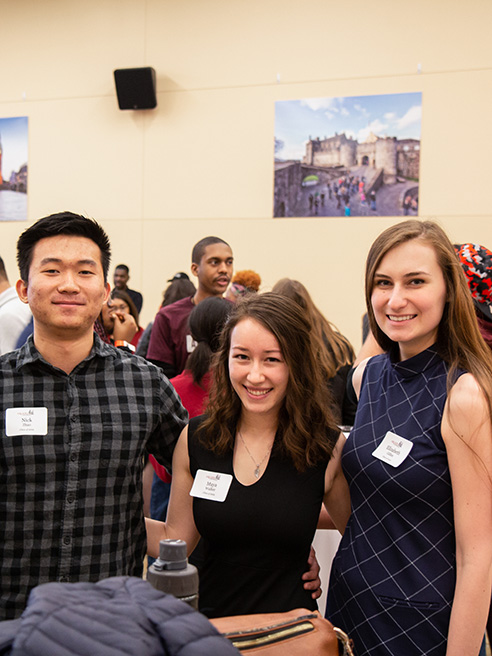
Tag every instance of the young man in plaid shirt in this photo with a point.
(77, 416)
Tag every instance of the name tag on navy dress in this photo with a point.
(211, 485)
(393, 449)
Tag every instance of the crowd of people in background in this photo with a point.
(260, 389)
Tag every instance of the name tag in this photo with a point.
(393, 449)
(211, 485)
(190, 344)
(26, 421)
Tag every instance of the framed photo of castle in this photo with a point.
(348, 156)
(13, 168)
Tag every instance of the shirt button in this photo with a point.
(66, 539)
(63, 579)
(73, 419)
(73, 456)
(70, 498)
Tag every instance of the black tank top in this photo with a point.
(256, 542)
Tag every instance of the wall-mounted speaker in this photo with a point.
(135, 88)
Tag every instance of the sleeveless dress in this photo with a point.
(256, 542)
(393, 577)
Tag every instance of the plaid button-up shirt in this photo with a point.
(71, 504)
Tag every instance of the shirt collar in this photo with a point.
(29, 354)
(415, 365)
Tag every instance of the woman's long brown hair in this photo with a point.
(459, 341)
(334, 349)
(306, 430)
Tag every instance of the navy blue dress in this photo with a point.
(393, 578)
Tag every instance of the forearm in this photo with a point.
(469, 611)
(337, 503)
(156, 531)
(325, 521)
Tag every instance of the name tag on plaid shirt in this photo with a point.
(26, 421)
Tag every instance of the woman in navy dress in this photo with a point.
(413, 572)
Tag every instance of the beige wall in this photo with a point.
(202, 162)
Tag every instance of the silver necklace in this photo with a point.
(257, 465)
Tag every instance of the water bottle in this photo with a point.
(171, 572)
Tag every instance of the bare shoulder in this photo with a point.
(466, 413)
(180, 457)
(358, 373)
(466, 395)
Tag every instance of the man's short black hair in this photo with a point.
(200, 246)
(124, 267)
(62, 223)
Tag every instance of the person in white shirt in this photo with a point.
(14, 315)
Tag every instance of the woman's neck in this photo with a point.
(257, 424)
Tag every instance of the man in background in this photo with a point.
(120, 278)
(14, 315)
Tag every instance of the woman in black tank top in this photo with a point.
(251, 474)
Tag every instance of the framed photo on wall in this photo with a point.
(13, 168)
(348, 156)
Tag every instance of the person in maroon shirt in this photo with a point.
(171, 341)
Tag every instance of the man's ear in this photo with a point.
(107, 290)
(21, 289)
(194, 269)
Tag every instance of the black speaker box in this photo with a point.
(135, 88)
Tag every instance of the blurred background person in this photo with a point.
(180, 286)
(14, 315)
(121, 277)
(122, 302)
(243, 282)
(334, 350)
(476, 262)
(118, 320)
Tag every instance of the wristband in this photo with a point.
(124, 344)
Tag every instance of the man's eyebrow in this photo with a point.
(57, 260)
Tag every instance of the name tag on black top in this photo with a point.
(211, 485)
